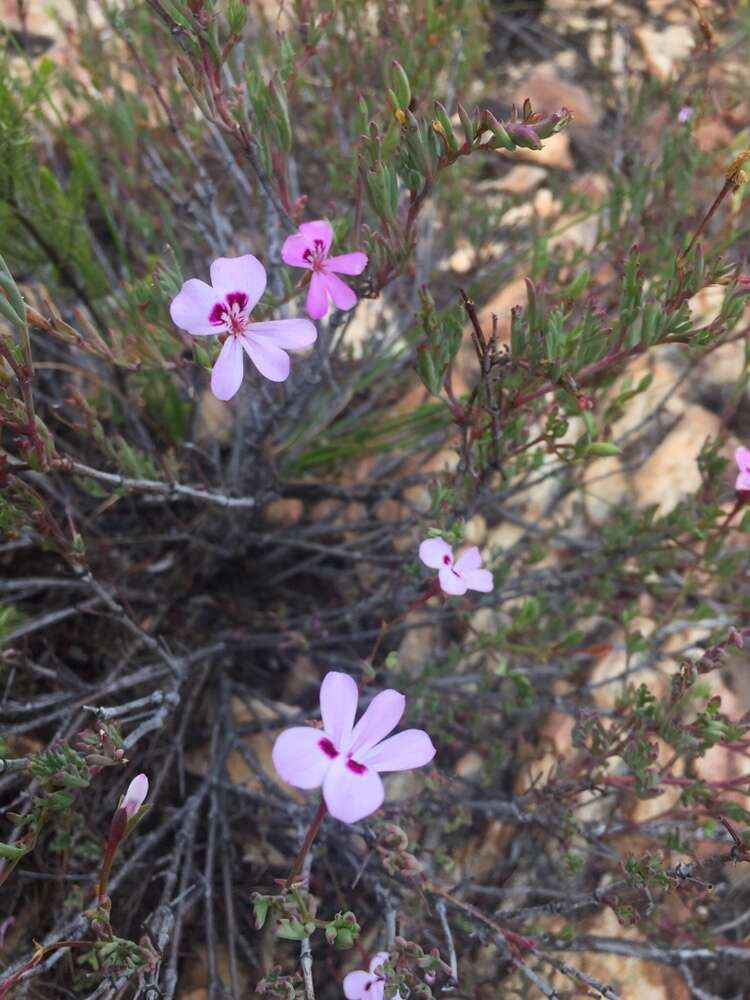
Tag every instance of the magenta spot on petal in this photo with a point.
(447, 560)
(318, 245)
(328, 748)
(216, 315)
(355, 767)
(238, 299)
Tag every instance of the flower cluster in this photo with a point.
(237, 283)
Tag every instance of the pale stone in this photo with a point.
(671, 472)
(664, 49)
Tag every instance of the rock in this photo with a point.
(671, 472)
(662, 50)
(284, 512)
(520, 179)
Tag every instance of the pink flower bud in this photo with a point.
(135, 795)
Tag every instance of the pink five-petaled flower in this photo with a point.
(135, 795)
(224, 306)
(456, 577)
(345, 759)
(309, 248)
(361, 985)
(742, 458)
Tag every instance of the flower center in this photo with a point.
(232, 312)
(315, 255)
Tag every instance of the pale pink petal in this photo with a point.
(136, 794)
(347, 263)
(412, 748)
(355, 985)
(317, 296)
(290, 334)
(436, 553)
(342, 295)
(377, 960)
(450, 583)
(338, 706)
(239, 274)
(479, 579)
(294, 249)
(376, 991)
(270, 360)
(192, 306)
(352, 794)
(742, 458)
(300, 758)
(319, 231)
(468, 560)
(743, 482)
(382, 715)
(226, 377)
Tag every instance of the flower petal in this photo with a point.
(355, 985)
(351, 795)
(412, 748)
(342, 295)
(741, 457)
(382, 715)
(270, 360)
(450, 583)
(294, 249)
(347, 263)
(468, 560)
(191, 307)
(290, 334)
(433, 551)
(318, 231)
(239, 274)
(377, 960)
(299, 758)
(226, 377)
(338, 706)
(317, 296)
(479, 579)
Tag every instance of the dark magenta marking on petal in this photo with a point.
(216, 315)
(368, 985)
(328, 748)
(318, 245)
(447, 560)
(237, 299)
(307, 254)
(355, 767)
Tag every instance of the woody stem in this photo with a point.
(310, 836)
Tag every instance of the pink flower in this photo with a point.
(685, 114)
(309, 249)
(742, 458)
(459, 576)
(135, 795)
(361, 985)
(224, 306)
(345, 759)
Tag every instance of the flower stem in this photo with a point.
(310, 836)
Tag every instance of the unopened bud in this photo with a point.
(135, 795)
